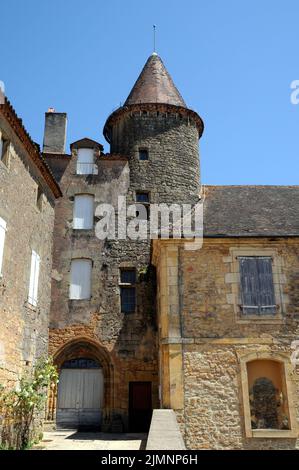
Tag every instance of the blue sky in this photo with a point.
(233, 61)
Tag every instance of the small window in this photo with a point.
(85, 162)
(142, 197)
(2, 240)
(257, 287)
(4, 144)
(34, 277)
(39, 198)
(128, 290)
(83, 212)
(80, 285)
(143, 154)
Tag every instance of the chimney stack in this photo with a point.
(55, 132)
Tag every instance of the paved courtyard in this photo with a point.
(74, 440)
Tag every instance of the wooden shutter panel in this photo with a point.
(266, 287)
(257, 289)
(85, 163)
(34, 276)
(2, 240)
(1, 148)
(83, 211)
(249, 285)
(80, 286)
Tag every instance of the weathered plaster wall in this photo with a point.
(129, 340)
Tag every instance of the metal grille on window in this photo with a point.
(257, 288)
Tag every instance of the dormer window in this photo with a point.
(85, 162)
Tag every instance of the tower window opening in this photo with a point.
(143, 154)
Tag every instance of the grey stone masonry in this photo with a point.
(55, 132)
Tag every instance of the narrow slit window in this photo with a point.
(128, 290)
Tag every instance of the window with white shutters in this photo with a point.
(34, 275)
(2, 241)
(85, 162)
(83, 212)
(80, 285)
(257, 288)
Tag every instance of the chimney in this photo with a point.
(55, 132)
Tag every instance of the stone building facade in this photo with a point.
(219, 358)
(27, 197)
(206, 328)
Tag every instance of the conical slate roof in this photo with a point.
(155, 85)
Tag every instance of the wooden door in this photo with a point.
(80, 398)
(140, 406)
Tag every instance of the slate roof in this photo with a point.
(248, 211)
(155, 85)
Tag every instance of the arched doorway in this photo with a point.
(84, 397)
(80, 394)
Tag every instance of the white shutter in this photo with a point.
(83, 211)
(80, 287)
(1, 148)
(2, 239)
(34, 275)
(85, 163)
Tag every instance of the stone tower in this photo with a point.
(153, 159)
(155, 119)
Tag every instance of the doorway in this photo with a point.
(140, 406)
(80, 395)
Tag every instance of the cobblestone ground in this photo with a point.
(74, 440)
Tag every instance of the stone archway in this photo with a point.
(89, 349)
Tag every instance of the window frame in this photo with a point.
(4, 156)
(88, 170)
(92, 198)
(127, 285)
(232, 279)
(146, 204)
(284, 360)
(258, 308)
(71, 298)
(34, 279)
(39, 198)
(145, 151)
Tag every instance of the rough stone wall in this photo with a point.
(24, 329)
(214, 340)
(171, 174)
(129, 339)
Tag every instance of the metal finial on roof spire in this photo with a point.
(154, 31)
